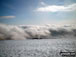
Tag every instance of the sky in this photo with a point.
(37, 12)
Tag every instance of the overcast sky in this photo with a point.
(38, 12)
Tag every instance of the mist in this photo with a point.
(22, 32)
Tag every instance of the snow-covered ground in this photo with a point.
(36, 47)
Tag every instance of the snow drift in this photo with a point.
(11, 32)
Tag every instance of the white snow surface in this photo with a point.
(36, 47)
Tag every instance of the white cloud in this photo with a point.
(7, 17)
(42, 3)
(56, 8)
(11, 32)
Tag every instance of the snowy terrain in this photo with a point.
(36, 47)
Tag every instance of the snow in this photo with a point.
(36, 47)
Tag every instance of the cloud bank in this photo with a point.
(10, 32)
(56, 8)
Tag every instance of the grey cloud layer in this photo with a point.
(10, 32)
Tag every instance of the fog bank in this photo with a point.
(22, 32)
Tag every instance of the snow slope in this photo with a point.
(36, 47)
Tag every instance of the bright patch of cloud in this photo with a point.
(7, 17)
(56, 8)
(42, 3)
